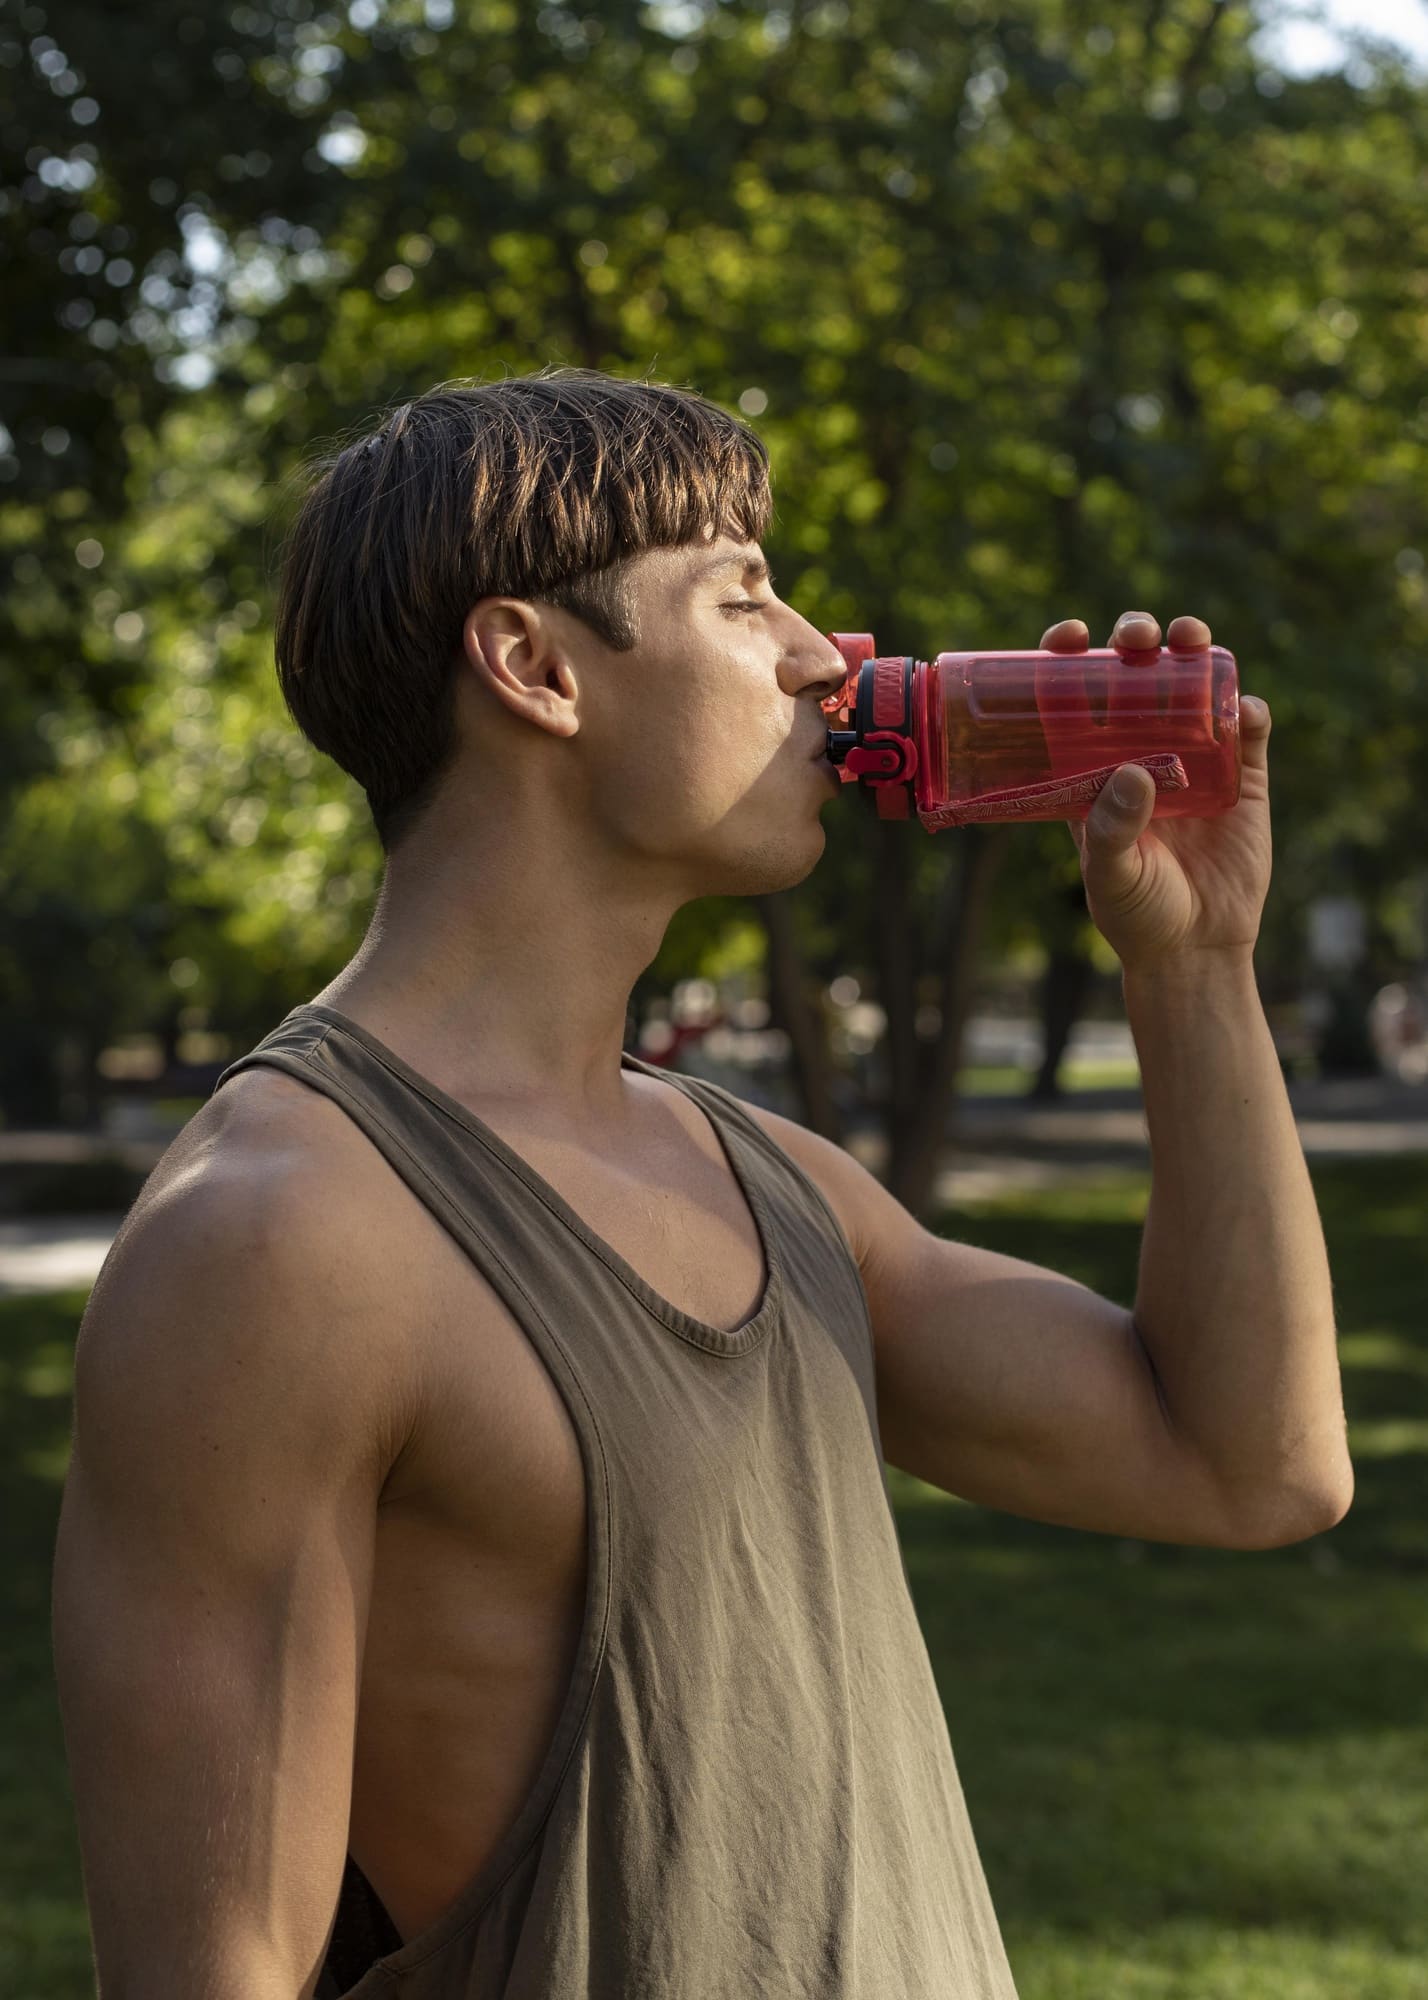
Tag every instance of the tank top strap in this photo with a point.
(803, 1206)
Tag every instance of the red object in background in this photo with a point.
(1034, 735)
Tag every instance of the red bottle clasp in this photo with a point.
(893, 762)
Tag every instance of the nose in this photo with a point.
(826, 665)
(833, 679)
(814, 663)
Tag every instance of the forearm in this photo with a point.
(1234, 1301)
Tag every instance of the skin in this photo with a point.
(596, 793)
(628, 784)
(1189, 887)
(217, 1560)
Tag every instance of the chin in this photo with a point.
(781, 864)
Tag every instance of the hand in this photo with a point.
(1183, 887)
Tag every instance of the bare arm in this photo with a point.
(234, 1423)
(1022, 1389)
(1235, 1299)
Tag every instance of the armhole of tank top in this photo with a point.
(545, 1788)
(752, 1128)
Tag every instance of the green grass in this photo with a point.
(1201, 1774)
(1001, 1079)
(1193, 1774)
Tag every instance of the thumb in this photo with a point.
(1124, 809)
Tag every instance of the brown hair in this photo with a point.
(539, 486)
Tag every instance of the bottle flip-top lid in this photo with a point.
(855, 648)
(886, 757)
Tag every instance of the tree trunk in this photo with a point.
(793, 1010)
(917, 1140)
(168, 1032)
(1064, 987)
(895, 941)
(920, 1098)
(30, 1085)
(1065, 984)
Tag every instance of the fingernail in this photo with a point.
(1123, 789)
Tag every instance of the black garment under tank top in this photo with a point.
(750, 1793)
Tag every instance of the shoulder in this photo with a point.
(279, 1150)
(248, 1271)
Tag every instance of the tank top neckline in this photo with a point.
(732, 1141)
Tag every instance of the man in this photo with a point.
(475, 1574)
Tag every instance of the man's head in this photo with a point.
(512, 586)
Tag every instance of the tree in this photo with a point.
(1019, 342)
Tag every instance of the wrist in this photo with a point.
(1193, 969)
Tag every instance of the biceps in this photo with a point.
(1020, 1389)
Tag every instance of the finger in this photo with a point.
(1135, 632)
(1255, 725)
(1072, 635)
(1111, 860)
(1187, 635)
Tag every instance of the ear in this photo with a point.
(518, 659)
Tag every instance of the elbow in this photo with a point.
(1295, 1513)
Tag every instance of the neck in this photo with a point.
(505, 976)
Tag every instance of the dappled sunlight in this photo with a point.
(1382, 1350)
(1389, 1438)
(1188, 1958)
(1237, 1738)
(1096, 1194)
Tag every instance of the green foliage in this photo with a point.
(1037, 318)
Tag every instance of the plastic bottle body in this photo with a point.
(1008, 736)
(1036, 735)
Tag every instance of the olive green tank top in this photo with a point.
(750, 1793)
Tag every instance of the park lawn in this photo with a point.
(1077, 1073)
(1194, 1774)
(1202, 1774)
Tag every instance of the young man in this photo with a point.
(475, 1574)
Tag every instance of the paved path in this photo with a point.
(1000, 1143)
(51, 1254)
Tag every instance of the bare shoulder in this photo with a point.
(250, 1262)
(875, 1222)
(286, 1152)
(261, 1123)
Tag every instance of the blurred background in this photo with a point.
(1044, 310)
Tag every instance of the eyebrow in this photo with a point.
(754, 567)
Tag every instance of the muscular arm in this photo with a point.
(234, 1422)
(1020, 1388)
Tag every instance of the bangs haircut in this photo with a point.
(543, 486)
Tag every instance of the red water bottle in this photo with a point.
(1034, 735)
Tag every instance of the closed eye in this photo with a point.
(754, 603)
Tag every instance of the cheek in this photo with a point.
(711, 734)
(686, 786)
